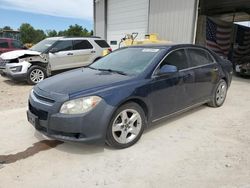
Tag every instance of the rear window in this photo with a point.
(199, 57)
(81, 45)
(102, 43)
(4, 44)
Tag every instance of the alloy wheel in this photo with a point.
(36, 75)
(221, 93)
(127, 126)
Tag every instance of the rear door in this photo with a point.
(83, 53)
(206, 72)
(63, 58)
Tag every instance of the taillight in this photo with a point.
(110, 49)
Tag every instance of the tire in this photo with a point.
(219, 94)
(35, 74)
(126, 126)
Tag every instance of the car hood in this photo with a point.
(82, 81)
(18, 53)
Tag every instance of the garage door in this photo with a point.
(126, 17)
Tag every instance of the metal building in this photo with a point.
(180, 21)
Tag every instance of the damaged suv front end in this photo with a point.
(15, 64)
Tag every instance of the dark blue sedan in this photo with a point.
(114, 99)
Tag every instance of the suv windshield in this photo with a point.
(43, 45)
(131, 61)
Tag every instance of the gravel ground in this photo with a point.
(205, 147)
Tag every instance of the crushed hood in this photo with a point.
(18, 53)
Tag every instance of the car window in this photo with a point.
(64, 45)
(16, 44)
(102, 43)
(131, 61)
(81, 45)
(177, 58)
(199, 57)
(4, 44)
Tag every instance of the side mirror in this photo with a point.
(54, 50)
(167, 69)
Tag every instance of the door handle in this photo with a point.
(187, 76)
(70, 54)
(93, 51)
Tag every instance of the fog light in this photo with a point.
(16, 69)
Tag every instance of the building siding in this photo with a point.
(125, 17)
(173, 20)
(100, 18)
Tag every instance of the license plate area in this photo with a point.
(33, 119)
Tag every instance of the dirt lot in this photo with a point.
(205, 147)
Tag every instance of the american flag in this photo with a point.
(242, 42)
(218, 36)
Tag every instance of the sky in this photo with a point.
(46, 14)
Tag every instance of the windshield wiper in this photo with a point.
(111, 70)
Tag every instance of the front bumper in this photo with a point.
(243, 70)
(16, 71)
(89, 127)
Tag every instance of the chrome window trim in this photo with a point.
(189, 68)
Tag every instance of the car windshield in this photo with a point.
(43, 45)
(131, 61)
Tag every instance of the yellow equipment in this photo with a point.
(152, 38)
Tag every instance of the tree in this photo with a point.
(74, 31)
(51, 33)
(28, 33)
(7, 28)
(39, 35)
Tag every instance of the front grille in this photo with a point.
(3, 62)
(41, 114)
(43, 98)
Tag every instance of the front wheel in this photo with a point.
(36, 74)
(219, 94)
(126, 126)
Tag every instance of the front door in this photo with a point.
(173, 92)
(63, 58)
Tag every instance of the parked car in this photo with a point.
(117, 97)
(51, 55)
(242, 66)
(8, 44)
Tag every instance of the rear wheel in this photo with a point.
(126, 126)
(36, 74)
(219, 94)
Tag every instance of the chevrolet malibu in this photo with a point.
(114, 99)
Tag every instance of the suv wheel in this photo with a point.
(36, 74)
(126, 126)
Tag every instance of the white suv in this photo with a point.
(51, 55)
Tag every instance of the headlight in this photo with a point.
(79, 106)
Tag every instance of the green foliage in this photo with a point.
(31, 35)
(51, 33)
(7, 28)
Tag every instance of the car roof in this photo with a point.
(9, 39)
(74, 38)
(165, 46)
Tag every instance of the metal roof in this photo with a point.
(217, 7)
